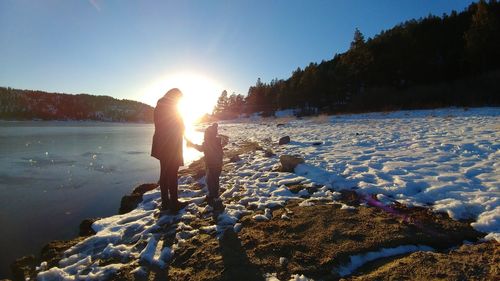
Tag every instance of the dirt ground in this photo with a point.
(316, 240)
(469, 262)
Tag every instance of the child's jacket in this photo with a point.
(212, 148)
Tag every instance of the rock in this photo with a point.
(284, 140)
(295, 188)
(86, 227)
(289, 162)
(268, 153)
(53, 252)
(234, 158)
(130, 202)
(143, 188)
(24, 268)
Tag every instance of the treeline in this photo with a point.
(452, 60)
(18, 104)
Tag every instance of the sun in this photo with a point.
(200, 94)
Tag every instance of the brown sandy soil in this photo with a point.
(469, 262)
(314, 241)
(317, 239)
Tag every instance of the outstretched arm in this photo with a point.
(198, 147)
(193, 145)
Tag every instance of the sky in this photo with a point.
(124, 48)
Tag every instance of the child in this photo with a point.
(212, 149)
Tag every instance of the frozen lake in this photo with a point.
(54, 174)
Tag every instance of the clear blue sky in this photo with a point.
(119, 47)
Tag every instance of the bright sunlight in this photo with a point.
(200, 94)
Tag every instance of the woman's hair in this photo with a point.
(173, 94)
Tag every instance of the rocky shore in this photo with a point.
(353, 237)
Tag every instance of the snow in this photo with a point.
(294, 277)
(264, 217)
(237, 227)
(271, 277)
(357, 261)
(125, 238)
(444, 159)
(301, 277)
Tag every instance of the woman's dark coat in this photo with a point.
(169, 130)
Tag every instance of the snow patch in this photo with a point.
(357, 261)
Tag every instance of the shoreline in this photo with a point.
(25, 266)
(246, 240)
(472, 243)
(251, 117)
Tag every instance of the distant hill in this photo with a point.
(18, 104)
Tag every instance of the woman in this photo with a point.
(167, 146)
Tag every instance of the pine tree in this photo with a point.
(358, 40)
(482, 38)
(222, 103)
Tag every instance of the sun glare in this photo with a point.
(199, 97)
(200, 94)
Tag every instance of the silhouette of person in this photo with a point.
(212, 148)
(167, 146)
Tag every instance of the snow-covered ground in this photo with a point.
(444, 159)
(447, 159)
